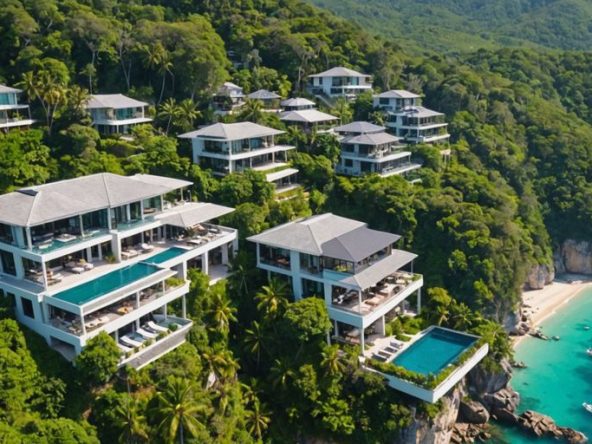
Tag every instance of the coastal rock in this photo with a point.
(468, 433)
(573, 436)
(574, 257)
(541, 425)
(504, 399)
(482, 381)
(539, 276)
(473, 412)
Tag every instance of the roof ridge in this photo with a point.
(35, 199)
(103, 175)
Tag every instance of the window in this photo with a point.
(348, 162)
(8, 265)
(384, 101)
(28, 308)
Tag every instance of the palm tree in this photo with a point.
(272, 298)
(441, 314)
(331, 361)
(221, 364)
(168, 111)
(462, 316)
(221, 311)
(257, 421)
(131, 422)
(188, 113)
(281, 372)
(254, 338)
(178, 409)
(252, 111)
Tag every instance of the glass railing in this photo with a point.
(57, 242)
(124, 226)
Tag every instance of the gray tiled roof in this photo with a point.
(340, 71)
(263, 94)
(297, 101)
(306, 116)
(371, 139)
(398, 94)
(359, 128)
(8, 89)
(113, 101)
(232, 131)
(381, 269)
(419, 111)
(58, 200)
(358, 244)
(194, 213)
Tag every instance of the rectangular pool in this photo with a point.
(105, 284)
(435, 351)
(168, 254)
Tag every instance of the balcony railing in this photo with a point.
(55, 242)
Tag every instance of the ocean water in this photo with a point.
(559, 374)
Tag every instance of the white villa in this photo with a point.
(236, 147)
(367, 149)
(228, 98)
(339, 82)
(116, 113)
(301, 113)
(269, 99)
(364, 281)
(409, 120)
(12, 113)
(109, 253)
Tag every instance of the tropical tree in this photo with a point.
(257, 420)
(271, 300)
(331, 361)
(187, 114)
(131, 422)
(167, 111)
(251, 111)
(98, 361)
(461, 316)
(48, 89)
(220, 310)
(178, 408)
(220, 363)
(254, 341)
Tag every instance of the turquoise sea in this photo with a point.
(559, 374)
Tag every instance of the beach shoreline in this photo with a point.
(543, 303)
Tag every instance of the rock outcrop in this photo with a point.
(539, 276)
(574, 257)
(541, 425)
(482, 381)
(473, 412)
(468, 433)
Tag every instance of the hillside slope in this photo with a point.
(464, 25)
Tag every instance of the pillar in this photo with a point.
(359, 301)
(166, 311)
(184, 307)
(295, 272)
(419, 301)
(137, 299)
(204, 263)
(380, 326)
(225, 254)
(44, 271)
(362, 340)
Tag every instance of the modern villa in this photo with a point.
(301, 112)
(116, 113)
(269, 99)
(366, 282)
(108, 253)
(12, 113)
(409, 120)
(339, 82)
(367, 149)
(228, 98)
(236, 147)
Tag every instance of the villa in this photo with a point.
(12, 113)
(228, 98)
(116, 113)
(367, 149)
(366, 282)
(409, 120)
(108, 253)
(339, 82)
(301, 113)
(228, 148)
(269, 99)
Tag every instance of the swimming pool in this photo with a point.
(107, 283)
(166, 255)
(434, 351)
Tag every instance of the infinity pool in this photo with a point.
(107, 283)
(435, 351)
(166, 255)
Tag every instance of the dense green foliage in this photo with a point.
(466, 25)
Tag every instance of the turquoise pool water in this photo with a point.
(559, 374)
(434, 351)
(166, 255)
(107, 283)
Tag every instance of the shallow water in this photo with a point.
(559, 374)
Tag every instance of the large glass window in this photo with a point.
(135, 211)
(152, 205)
(97, 220)
(6, 234)
(277, 257)
(118, 216)
(28, 308)
(338, 265)
(8, 265)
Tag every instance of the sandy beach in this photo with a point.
(541, 304)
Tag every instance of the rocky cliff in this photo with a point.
(539, 276)
(574, 256)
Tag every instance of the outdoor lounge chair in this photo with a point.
(130, 342)
(378, 357)
(146, 248)
(154, 326)
(146, 333)
(123, 348)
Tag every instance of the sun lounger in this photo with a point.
(130, 342)
(378, 357)
(146, 333)
(146, 248)
(123, 348)
(154, 326)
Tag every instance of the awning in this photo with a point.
(195, 213)
(381, 269)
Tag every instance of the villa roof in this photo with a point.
(340, 71)
(297, 101)
(327, 235)
(8, 89)
(419, 111)
(398, 94)
(371, 139)
(194, 213)
(59, 200)
(114, 101)
(286, 172)
(232, 131)
(359, 128)
(230, 88)
(306, 116)
(379, 270)
(263, 94)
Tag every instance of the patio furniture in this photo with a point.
(128, 254)
(130, 342)
(123, 348)
(378, 357)
(146, 248)
(154, 326)
(146, 333)
(65, 237)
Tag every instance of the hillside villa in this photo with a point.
(12, 113)
(116, 113)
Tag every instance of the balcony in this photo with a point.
(52, 242)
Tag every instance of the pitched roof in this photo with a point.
(398, 94)
(114, 101)
(371, 139)
(8, 89)
(379, 270)
(232, 131)
(263, 94)
(419, 111)
(359, 128)
(297, 101)
(328, 235)
(340, 71)
(194, 213)
(306, 116)
(231, 89)
(59, 200)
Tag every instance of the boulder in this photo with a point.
(573, 436)
(504, 399)
(505, 416)
(482, 381)
(574, 257)
(539, 276)
(473, 412)
(541, 425)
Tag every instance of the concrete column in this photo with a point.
(380, 326)
(362, 340)
(137, 299)
(184, 307)
(183, 270)
(116, 332)
(225, 254)
(328, 290)
(128, 213)
(116, 247)
(419, 301)
(359, 301)
(18, 265)
(89, 254)
(166, 309)
(83, 324)
(44, 271)
(204, 263)
(336, 327)
(29, 238)
(295, 271)
(137, 322)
